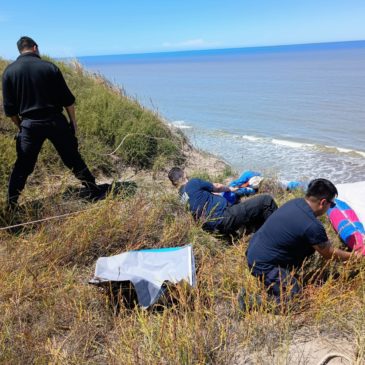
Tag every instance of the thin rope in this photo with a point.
(80, 211)
(46, 219)
(133, 134)
(333, 355)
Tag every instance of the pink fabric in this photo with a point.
(356, 240)
(336, 217)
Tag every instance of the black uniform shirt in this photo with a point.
(34, 88)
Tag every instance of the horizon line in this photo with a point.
(293, 45)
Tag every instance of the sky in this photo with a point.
(73, 28)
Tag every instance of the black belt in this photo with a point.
(41, 114)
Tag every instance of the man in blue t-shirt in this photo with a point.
(214, 211)
(289, 236)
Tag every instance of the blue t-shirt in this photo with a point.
(202, 203)
(286, 238)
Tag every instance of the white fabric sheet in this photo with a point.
(148, 270)
(354, 195)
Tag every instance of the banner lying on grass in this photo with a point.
(354, 195)
(148, 270)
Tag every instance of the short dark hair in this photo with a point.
(321, 189)
(175, 175)
(25, 43)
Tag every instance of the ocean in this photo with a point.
(291, 112)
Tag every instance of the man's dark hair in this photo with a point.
(175, 175)
(321, 189)
(25, 43)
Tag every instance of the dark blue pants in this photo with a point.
(280, 283)
(29, 142)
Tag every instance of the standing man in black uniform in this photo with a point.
(34, 95)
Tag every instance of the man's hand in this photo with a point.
(72, 116)
(220, 188)
(73, 126)
(16, 120)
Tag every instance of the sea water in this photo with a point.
(293, 112)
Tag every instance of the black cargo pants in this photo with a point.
(29, 142)
(249, 215)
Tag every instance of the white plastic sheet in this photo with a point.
(354, 195)
(148, 270)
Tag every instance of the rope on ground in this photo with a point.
(129, 135)
(80, 211)
(333, 355)
(45, 219)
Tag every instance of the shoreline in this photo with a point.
(285, 158)
(198, 159)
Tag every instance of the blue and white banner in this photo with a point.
(148, 270)
(354, 195)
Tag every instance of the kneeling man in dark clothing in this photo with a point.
(215, 211)
(289, 236)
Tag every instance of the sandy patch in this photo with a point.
(317, 350)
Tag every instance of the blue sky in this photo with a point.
(92, 27)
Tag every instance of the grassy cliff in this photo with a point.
(106, 118)
(50, 314)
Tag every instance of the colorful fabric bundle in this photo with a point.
(348, 226)
(248, 184)
(296, 185)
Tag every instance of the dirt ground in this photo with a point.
(316, 350)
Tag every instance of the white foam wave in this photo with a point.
(301, 164)
(251, 138)
(346, 150)
(291, 144)
(181, 124)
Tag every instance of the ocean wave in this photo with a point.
(296, 144)
(251, 138)
(181, 124)
(343, 150)
(318, 147)
(291, 144)
(287, 159)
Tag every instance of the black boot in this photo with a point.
(12, 202)
(92, 191)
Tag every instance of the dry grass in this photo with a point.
(51, 315)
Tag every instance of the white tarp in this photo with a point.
(354, 195)
(148, 270)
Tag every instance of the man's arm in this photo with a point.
(72, 115)
(11, 108)
(327, 251)
(220, 188)
(16, 120)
